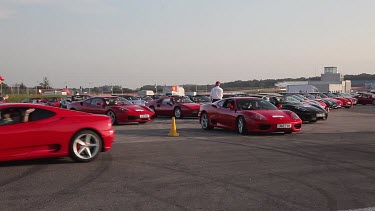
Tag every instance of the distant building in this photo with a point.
(332, 81)
(174, 90)
(331, 75)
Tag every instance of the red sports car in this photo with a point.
(119, 109)
(366, 98)
(52, 132)
(53, 101)
(177, 106)
(248, 114)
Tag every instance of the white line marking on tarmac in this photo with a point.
(362, 209)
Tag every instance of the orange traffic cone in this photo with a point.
(173, 131)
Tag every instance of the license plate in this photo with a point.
(320, 115)
(144, 116)
(284, 125)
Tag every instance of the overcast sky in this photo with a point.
(138, 42)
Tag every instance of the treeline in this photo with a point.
(363, 76)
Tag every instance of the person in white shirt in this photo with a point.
(216, 92)
(6, 96)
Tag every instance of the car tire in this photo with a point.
(85, 146)
(241, 125)
(177, 112)
(112, 115)
(205, 121)
(288, 132)
(373, 102)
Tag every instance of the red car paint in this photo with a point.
(175, 106)
(263, 117)
(119, 109)
(45, 136)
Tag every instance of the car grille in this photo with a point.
(264, 127)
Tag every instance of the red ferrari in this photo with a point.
(119, 109)
(177, 106)
(52, 132)
(248, 114)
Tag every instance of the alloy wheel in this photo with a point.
(86, 146)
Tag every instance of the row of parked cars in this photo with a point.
(242, 112)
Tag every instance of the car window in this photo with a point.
(16, 115)
(255, 105)
(40, 114)
(229, 103)
(95, 101)
(166, 101)
(220, 103)
(182, 100)
(88, 101)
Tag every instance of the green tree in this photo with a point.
(45, 84)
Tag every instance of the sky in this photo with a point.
(132, 43)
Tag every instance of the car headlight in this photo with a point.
(258, 117)
(294, 116)
(301, 108)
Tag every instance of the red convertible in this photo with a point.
(177, 106)
(52, 132)
(119, 109)
(248, 114)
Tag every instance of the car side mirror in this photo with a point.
(231, 107)
(99, 103)
(213, 105)
(279, 106)
(169, 103)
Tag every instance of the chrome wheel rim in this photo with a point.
(86, 146)
(177, 113)
(112, 115)
(204, 121)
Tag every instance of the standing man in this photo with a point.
(216, 92)
(6, 96)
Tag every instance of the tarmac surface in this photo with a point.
(329, 165)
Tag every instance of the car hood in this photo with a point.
(132, 107)
(192, 106)
(270, 114)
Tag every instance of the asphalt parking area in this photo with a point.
(330, 165)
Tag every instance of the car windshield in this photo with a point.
(289, 99)
(247, 104)
(117, 101)
(200, 99)
(182, 100)
(131, 97)
(51, 100)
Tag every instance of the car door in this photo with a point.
(97, 106)
(165, 107)
(27, 138)
(228, 113)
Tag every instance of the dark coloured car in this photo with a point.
(306, 112)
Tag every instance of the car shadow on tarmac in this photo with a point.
(37, 162)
